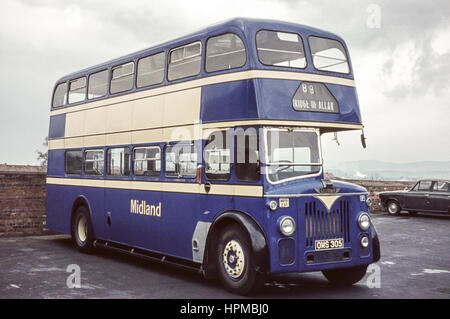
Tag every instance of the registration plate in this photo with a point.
(329, 244)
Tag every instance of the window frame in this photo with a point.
(165, 161)
(266, 154)
(281, 66)
(165, 65)
(133, 159)
(345, 52)
(81, 162)
(107, 84)
(430, 188)
(107, 170)
(111, 76)
(85, 89)
(230, 145)
(66, 97)
(437, 190)
(219, 35)
(235, 155)
(169, 60)
(85, 160)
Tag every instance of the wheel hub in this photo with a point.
(393, 208)
(82, 229)
(233, 259)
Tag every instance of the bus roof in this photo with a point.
(243, 24)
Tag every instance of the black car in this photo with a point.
(431, 196)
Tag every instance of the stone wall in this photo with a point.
(22, 200)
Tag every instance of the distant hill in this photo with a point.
(389, 171)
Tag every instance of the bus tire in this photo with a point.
(393, 208)
(82, 231)
(236, 263)
(345, 276)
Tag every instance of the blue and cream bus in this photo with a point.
(204, 152)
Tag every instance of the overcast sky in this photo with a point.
(400, 52)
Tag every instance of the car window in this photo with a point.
(425, 186)
(441, 187)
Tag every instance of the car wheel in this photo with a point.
(345, 276)
(82, 234)
(236, 263)
(393, 208)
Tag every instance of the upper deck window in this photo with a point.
(60, 95)
(328, 55)
(280, 49)
(185, 61)
(98, 84)
(150, 70)
(224, 52)
(122, 78)
(77, 90)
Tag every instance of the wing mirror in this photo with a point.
(363, 140)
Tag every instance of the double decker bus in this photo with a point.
(204, 152)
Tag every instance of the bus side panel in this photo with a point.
(182, 212)
(143, 230)
(60, 200)
(56, 214)
(251, 206)
(229, 101)
(179, 216)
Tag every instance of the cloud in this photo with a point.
(400, 68)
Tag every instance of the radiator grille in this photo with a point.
(321, 224)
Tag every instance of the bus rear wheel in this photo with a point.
(82, 234)
(345, 276)
(236, 263)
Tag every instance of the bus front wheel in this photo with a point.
(82, 234)
(345, 276)
(236, 263)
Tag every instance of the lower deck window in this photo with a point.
(217, 156)
(118, 161)
(73, 163)
(181, 161)
(147, 161)
(247, 156)
(94, 162)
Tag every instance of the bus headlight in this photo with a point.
(287, 226)
(368, 202)
(364, 221)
